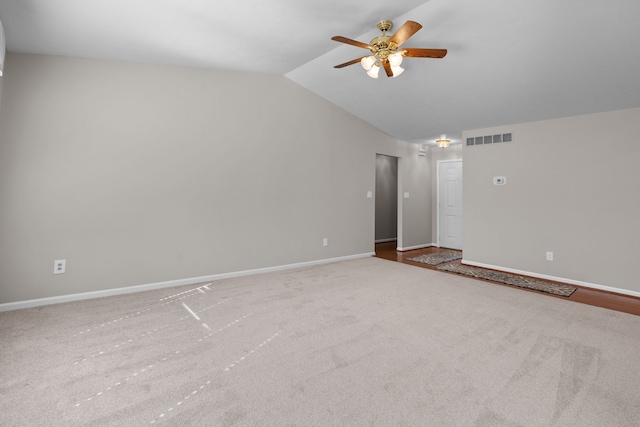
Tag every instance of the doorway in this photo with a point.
(449, 201)
(386, 199)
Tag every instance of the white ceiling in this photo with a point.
(508, 61)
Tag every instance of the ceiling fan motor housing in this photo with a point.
(379, 46)
(385, 25)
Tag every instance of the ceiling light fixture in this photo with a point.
(372, 65)
(384, 53)
(443, 142)
(373, 71)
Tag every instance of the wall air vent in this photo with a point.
(490, 139)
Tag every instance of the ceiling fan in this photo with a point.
(386, 52)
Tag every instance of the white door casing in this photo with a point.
(450, 204)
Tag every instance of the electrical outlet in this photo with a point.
(59, 266)
(325, 242)
(549, 256)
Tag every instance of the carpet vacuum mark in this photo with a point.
(437, 257)
(510, 279)
(362, 342)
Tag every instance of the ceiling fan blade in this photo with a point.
(349, 41)
(387, 68)
(424, 53)
(407, 30)
(346, 64)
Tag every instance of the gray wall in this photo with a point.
(414, 177)
(572, 188)
(386, 194)
(138, 174)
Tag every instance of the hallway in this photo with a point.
(595, 297)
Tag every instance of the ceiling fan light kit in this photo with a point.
(384, 49)
(367, 62)
(373, 71)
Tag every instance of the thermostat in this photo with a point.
(499, 180)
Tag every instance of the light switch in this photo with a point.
(406, 194)
(369, 194)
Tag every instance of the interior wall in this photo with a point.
(414, 201)
(386, 198)
(139, 174)
(571, 189)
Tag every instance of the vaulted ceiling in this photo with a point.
(508, 61)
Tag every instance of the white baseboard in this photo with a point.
(410, 248)
(168, 284)
(555, 279)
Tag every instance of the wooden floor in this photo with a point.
(610, 300)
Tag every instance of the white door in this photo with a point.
(450, 204)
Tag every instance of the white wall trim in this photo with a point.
(400, 203)
(556, 279)
(410, 248)
(168, 284)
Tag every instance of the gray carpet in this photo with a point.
(367, 342)
(445, 255)
(511, 279)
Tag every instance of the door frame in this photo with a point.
(375, 200)
(438, 197)
(399, 198)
